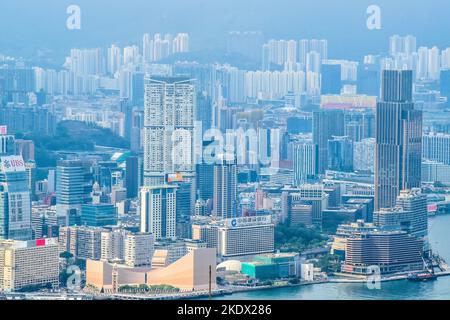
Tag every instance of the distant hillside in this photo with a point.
(72, 136)
(91, 134)
(210, 57)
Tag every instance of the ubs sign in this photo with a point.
(12, 164)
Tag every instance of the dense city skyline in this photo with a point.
(290, 145)
(104, 24)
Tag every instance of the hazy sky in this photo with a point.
(27, 26)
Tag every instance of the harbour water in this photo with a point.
(439, 237)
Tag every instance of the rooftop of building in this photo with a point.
(171, 80)
(18, 244)
(279, 255)
(162, 186)
(258, 263)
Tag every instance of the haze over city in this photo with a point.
(343, 23)
(224, 150)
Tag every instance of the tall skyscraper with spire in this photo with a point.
(398, 139)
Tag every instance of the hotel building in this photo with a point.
(29, 263)
(391, 251)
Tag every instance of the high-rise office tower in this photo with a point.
(305, 156)
(185, 208)
(15, 198)
(398, 148)
(205, 179)
(72, 180)
(132, 176)
(225, 190)
(369, 79)
(168, 129)
(331, 79)
(326, 124)
(340, 154)
(158, 211)
(137, 89)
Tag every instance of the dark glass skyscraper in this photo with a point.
(132, 176)
(137, 89)
(225, 190)
(331, 79)
(369, 79)
(326, 124)
(398, 139)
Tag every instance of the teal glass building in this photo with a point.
(98, 215)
